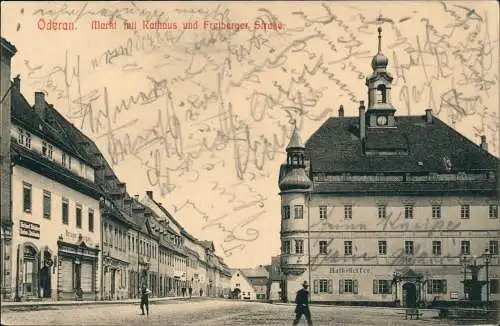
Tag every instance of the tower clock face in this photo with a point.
(382, 120)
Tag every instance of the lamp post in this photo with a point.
(487, 257)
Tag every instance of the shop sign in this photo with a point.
(78, 237)
(28, 229)
(353, 270)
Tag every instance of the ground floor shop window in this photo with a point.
(494, 286)
(382, 286)
(348, 286)
(436, 287)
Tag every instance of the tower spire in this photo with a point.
(379, 40)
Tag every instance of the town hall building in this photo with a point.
(387, 208)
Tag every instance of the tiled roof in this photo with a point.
(9, 46)
(336, 148)
(257, 272)
(23, 114)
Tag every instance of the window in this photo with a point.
(51, 152)
(44, 148)
(286, 247)
(347, 248)
(465, 247)
(91, 220)
(20, 136)
(69, 162)
(493, 247)
(65, 211)
(46, 204)
(408, 211)
(79, 216)
(382, 286)
(299, 211)
(436, 248)
(409, 249)
(323, 286)
(381, 211)
(493, 211)
(348, 212)
(286, 212)
(494, 286)
(63, 159)
(382, 247)
(465, 211)
(436, 211)
(436, 286)
(28, 139)
(129, 244)
(299, 246)
(323, 247)
(27, 197)
(348, 286)
(322, 212)
(381, 94)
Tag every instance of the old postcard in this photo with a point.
(249, 163)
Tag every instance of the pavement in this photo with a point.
(210, 312)
(11, 304)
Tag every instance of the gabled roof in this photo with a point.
(336, 148)
(257, 272)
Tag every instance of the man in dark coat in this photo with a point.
(145, 299)
(302, 308)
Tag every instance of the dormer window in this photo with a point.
(50, 152)
(381, 94)
(24, 138)
(44, 148)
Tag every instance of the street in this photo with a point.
(209, 313)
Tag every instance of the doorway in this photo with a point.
(113, 277)
(45, 282)
(410, 295)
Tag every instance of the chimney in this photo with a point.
(136, 197)
(484, 144)
(17, 84)
(341, 111)
(40, 104)
(362, 120)
(150, 194)
(428, 115)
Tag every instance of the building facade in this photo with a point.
(388, 208)
(55, 208)
(7, 51)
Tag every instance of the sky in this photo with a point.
(197, 101)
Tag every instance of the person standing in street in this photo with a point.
(190, 291)
(145, 299)
(302, 302)
(201, 292)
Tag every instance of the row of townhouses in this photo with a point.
(69, 228)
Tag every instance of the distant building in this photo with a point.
(275, 279)
(387, 208)
(257, 278)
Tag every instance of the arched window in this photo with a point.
(295, 160)
(381, 94)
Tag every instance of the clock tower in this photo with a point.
(380, 113)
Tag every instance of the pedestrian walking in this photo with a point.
(190, 291)
(302, 302)
(145, 299)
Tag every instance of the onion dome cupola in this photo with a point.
(294, 176)
(380, 113)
